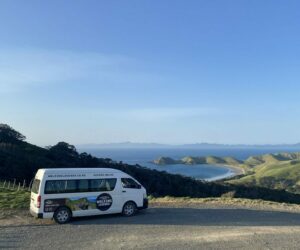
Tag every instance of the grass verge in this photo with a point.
(223, 202)
(12, 199)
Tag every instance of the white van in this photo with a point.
(71, 192)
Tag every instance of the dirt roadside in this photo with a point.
(20, 217)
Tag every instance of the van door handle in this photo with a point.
(123, 191)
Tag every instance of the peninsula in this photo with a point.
(190, 160)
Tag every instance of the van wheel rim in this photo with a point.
(129, 209)
(62, 216)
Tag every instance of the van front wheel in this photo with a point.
(129, 209)
(62, 215)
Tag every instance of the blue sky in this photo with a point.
(151, 71)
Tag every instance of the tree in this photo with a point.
(64, 149)
(9, 135)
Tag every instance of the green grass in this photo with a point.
(253, 161)
(12, 199)
(280, 175)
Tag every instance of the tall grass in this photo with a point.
(13, 199)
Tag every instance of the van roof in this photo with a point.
(82, 170)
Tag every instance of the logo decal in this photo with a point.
(104, 202)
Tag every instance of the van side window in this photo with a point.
(110, 184)
(130, 183)
(60, 186)
(83, 186)
(102, 185)
(79, 186)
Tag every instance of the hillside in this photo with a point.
(276, 171)
(271, 158)
(274, 174)
(232, 161)
(165, 161)
(251, 162)
(190, 160)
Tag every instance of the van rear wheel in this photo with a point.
(129, 209)
(62, 215)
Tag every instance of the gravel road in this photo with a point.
(163, 228)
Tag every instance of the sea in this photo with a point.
(145, 156)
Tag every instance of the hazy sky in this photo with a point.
(151, 71)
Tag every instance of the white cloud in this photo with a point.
(168, 113)
(21, 69)
(158, 114)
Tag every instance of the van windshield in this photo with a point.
(35, 186)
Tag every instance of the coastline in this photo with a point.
(231, 165)
(235, 168)
(232, 171)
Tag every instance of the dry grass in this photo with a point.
(223, 202)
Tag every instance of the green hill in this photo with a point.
(165, 161)
(232, 161)
(276, 171)
(215, 160)
(191, 160)
(271, 158)
(274, 174)
(253, 161)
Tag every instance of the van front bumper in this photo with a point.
(36, 215)
(145, 204)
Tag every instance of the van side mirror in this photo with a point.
(139, 186)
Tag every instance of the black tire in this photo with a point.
(62, 215)
(129, 209)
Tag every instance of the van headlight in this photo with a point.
(145, 195)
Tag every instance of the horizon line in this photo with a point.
(188, 144)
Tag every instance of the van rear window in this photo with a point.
(35, 186)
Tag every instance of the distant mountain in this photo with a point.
(128, 145)
(122, 145)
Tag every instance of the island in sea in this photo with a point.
(190, 160)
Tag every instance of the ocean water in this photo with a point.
(144, 157)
